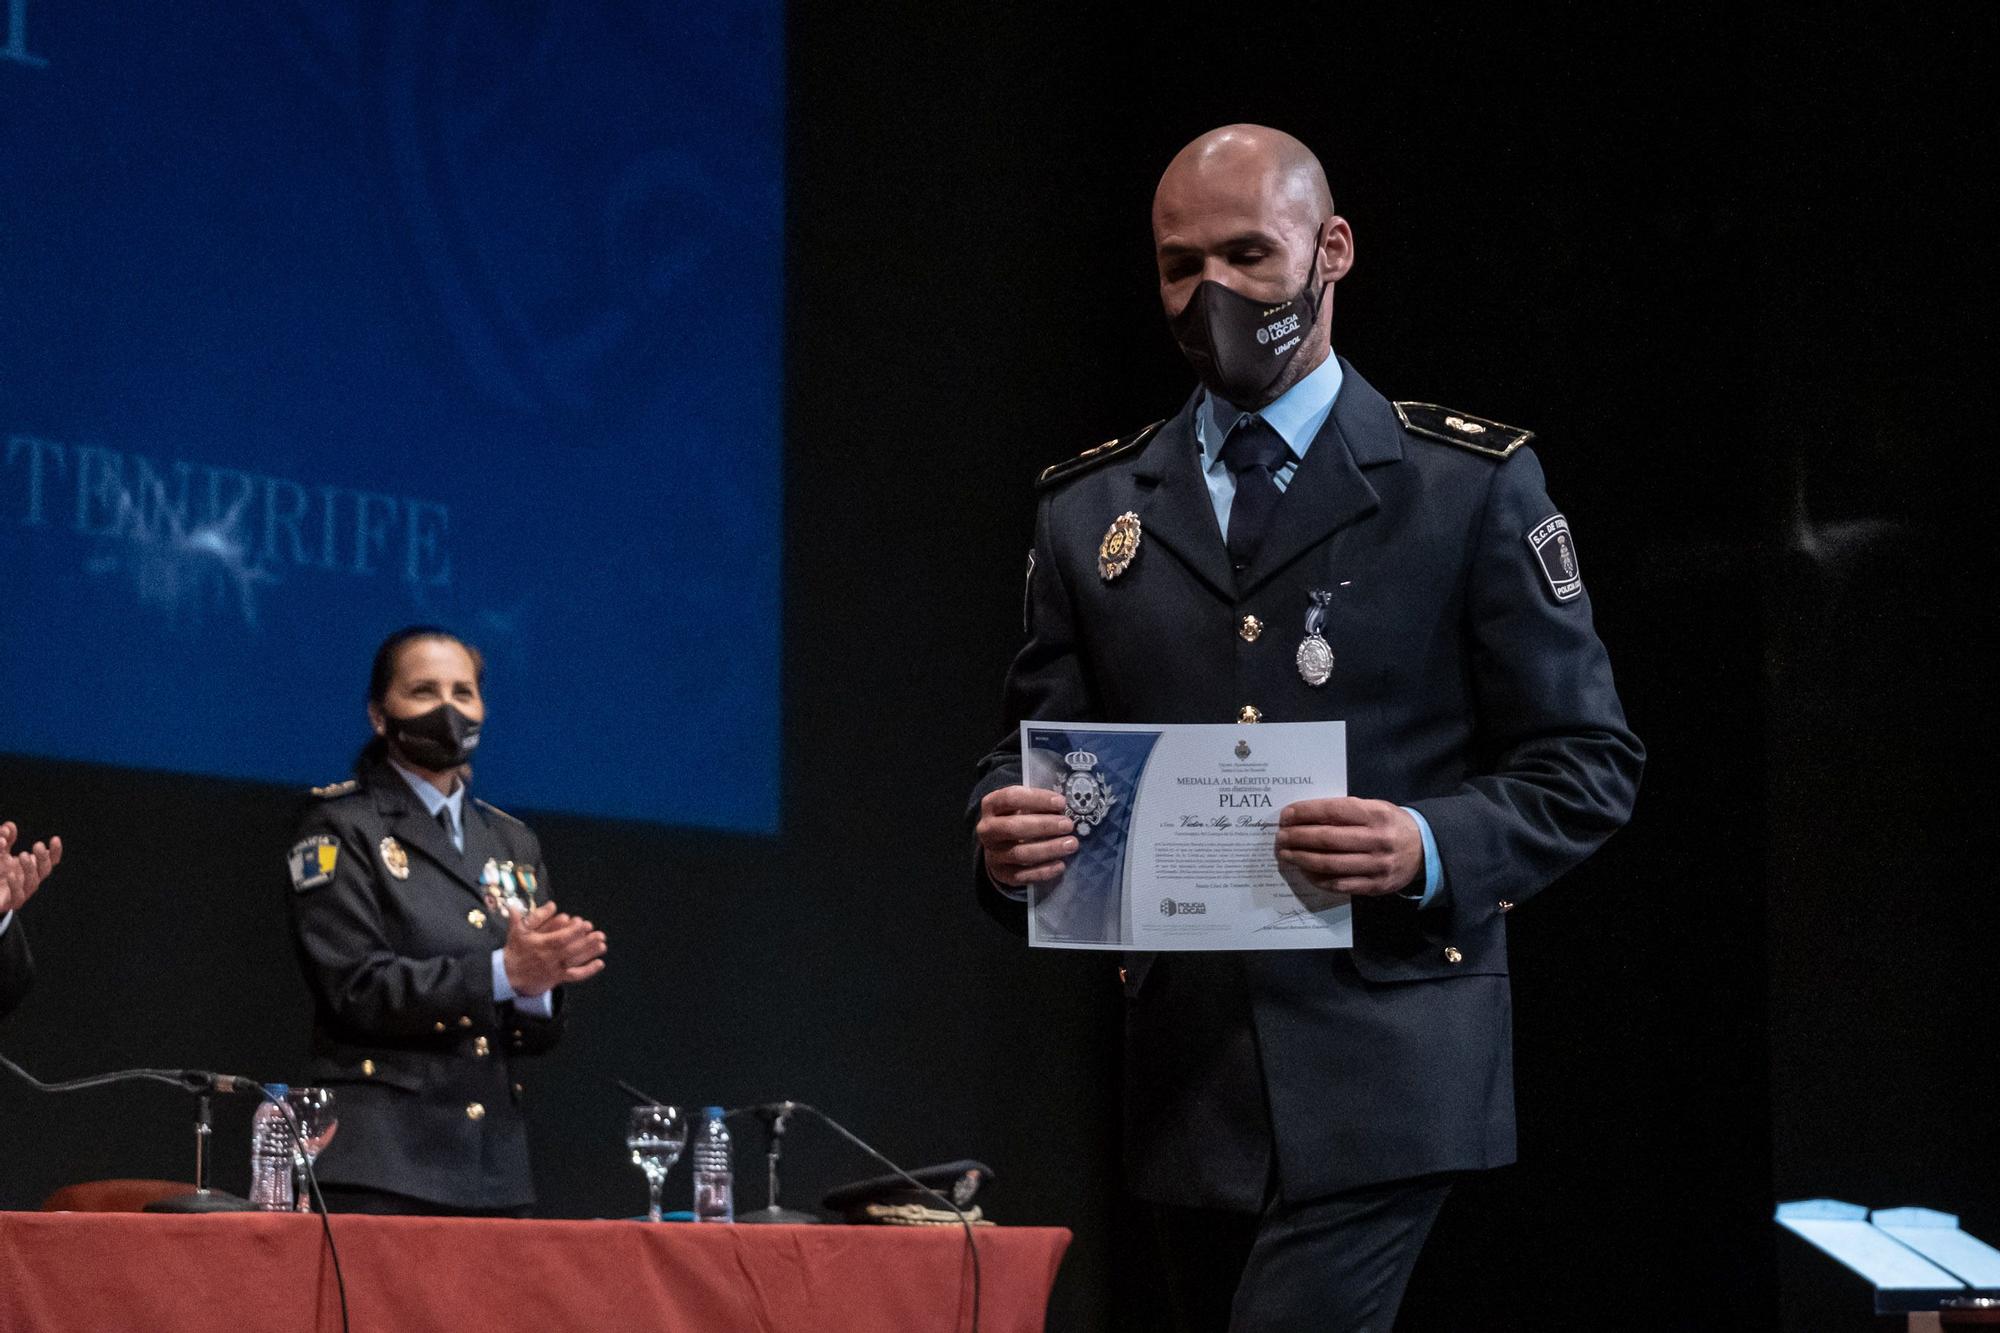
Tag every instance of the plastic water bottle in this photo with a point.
(271, 1153)
(714, 1196)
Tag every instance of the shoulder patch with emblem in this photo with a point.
(312, 861)
(1556, 550)
(1090, 458)
(1477, 434)
(334, 789)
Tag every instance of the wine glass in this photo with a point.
(313, 1124)
(656, 1135)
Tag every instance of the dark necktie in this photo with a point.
(1253, 454)
(444, 822)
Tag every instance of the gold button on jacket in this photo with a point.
(1452, 955)
(1249, 713)
(475, 1112)
(1251, 629)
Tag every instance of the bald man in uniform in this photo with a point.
(1294, 1120)
(21, 873)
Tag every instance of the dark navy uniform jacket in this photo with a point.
(423, 1063)
(17, 967)
(1474, 690)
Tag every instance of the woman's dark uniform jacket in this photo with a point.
(422, 1061)
(17, 967)
(1474, 689)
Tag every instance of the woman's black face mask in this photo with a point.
(437, 740)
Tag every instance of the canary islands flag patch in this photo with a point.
(312, 861)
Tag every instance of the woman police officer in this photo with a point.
(433, 956)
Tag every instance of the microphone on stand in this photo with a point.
(204, 1084)
(202, 1080)
(774, 1115)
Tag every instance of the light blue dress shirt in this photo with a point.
(6, 920)
(434, 801)
(1297, 415)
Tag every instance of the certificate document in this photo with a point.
(1176, 830)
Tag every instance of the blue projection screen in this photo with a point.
(318, 319)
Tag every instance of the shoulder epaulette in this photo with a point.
(1090, 458)
(334, 789)
(1462, 429)
(493, 809)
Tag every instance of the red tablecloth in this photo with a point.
(248, 1272)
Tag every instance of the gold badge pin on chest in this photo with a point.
(394, 859)
(1119, 547)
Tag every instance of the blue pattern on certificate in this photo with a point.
(1176, 828)
(1087, 905)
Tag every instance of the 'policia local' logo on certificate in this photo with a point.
(1177, 829)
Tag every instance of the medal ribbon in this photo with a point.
(1316, 616)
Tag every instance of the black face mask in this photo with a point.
(440, 739)
(1239, 347)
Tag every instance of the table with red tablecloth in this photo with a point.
(248, 1272)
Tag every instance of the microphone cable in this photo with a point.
(171, 1077)
(202, 1082)
(318, 1202)
(965, 1222)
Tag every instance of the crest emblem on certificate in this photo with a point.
(1087, 797)
(1119, 547)
(394, 859)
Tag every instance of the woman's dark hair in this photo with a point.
(384, 671)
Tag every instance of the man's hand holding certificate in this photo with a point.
(1350, 845)
(1192, 837)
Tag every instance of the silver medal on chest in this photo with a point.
(1315, 655)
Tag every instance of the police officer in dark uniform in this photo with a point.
(21, 873)
(1292, 546)
(432, 950)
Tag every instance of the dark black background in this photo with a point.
(1731, 266)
